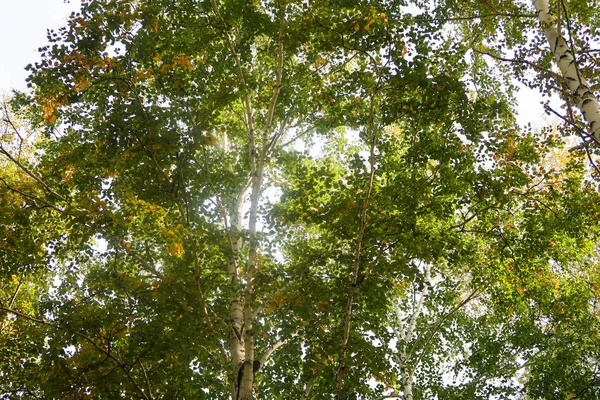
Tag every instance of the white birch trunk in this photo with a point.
(236, 313)
(404, 334)
(241, 335)
(579, 88)
(408, 385)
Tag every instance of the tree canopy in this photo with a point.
(303, 200)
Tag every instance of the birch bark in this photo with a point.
(236, 314)
(258, 160)
(579, 88)
(241, 335)
(404, 334)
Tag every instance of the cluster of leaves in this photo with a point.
(399, 196)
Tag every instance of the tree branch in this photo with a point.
(472, 17)
(273, 348)
(31, 174)
(438, 325)
(88, 339)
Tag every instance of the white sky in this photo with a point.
(23, 25)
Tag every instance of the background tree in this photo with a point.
(293, 200)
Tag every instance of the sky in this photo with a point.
(23, 25)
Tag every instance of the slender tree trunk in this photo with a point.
(354, 284)
(238, 345)
(236, 313)
(404, 334)
(258, 160)
(241, 335)
(578, 87)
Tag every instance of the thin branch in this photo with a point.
(148, 388)
(518, 61)
(472, 17)
(307, 389)
(9, 121)
(31, 174)
(587, 139)
(11, 302)
(127, 247)
(586, 388)
(439, 324)
(30, 196)
(273, 348)
(276, 86)
(241, 76)
(298, 136)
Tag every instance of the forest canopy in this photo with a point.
(294, 199)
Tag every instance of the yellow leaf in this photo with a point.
(175, 249)
(165, 68)
(322, 305)
(184, 61)
(82, 84)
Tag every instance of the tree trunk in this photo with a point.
(236, 313)
(407, 382)
(354, 285)
(404, 334)
(578, 87)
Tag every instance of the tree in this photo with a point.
(293, 200)
(567, 62)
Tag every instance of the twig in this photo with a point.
(148, 388)
(30, 196)
(472, 17)
(31, 174)
(518, 61)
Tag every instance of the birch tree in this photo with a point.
(583, 95)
